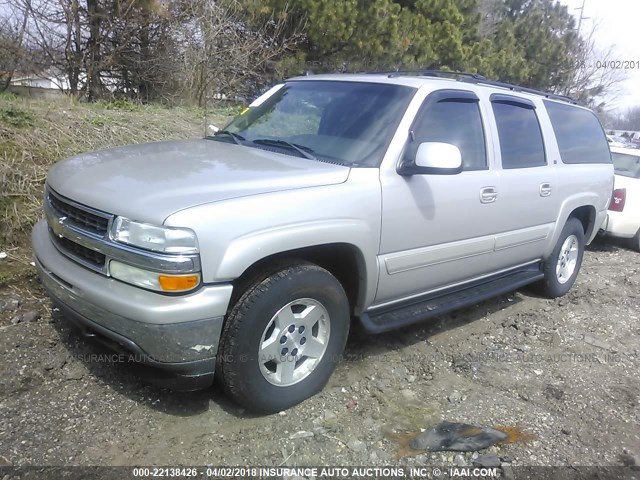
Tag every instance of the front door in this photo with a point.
(438, 230)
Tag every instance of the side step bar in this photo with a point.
(418, 309)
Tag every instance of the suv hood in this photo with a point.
(151, 181)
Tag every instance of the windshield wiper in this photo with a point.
(238, 139)
(306, 152)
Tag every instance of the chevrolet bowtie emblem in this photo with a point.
(58, 227)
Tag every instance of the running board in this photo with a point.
(416, 310)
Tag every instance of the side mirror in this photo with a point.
(434, 158)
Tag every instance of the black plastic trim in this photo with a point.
(512, 100)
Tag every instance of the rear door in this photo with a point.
(527, 193)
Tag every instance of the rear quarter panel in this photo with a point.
(578, 184)
(582, 185)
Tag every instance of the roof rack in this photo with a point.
(477, 79)
(517, 88)
(429, 73)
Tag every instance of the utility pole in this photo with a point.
(582, 17)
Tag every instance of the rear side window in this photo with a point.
(579, 134)
(626, 165)
(520, 136)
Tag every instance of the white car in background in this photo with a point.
(623, 219)
(618, 142)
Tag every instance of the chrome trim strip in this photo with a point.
(99, 213)
(435, 290)
(103, 244)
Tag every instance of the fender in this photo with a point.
(246, 250)
(584, 199)
(235, 234)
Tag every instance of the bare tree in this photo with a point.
(150, 49)
(222, 53)
(629, 120)
(53, 39)
(13, 26)
(594, 81)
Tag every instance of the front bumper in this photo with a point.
(179, 334)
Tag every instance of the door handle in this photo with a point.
(488, 194)
(545, 189)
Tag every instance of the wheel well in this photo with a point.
(587, 216)
(342, 260)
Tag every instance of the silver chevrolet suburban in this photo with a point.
(382, 199)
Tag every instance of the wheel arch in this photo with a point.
(587, 216)
(344, 261)
(583, 207)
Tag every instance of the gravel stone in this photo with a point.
(454, 397)
(487, 461)
(301, 434)
(357, 445)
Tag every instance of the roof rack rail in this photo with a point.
(478, 79)
(517, 88)
(429, 73)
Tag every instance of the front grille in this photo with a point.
(82, 218)
(83, 253)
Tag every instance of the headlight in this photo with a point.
(160, 282)
(152, 237)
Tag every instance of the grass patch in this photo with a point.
(12, 116)
(121, 104)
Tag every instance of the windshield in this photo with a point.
(626, 165)
(349, 123)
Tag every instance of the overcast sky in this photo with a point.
(618, 25)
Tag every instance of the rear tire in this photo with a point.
(636, 241)
(283, 338)
(562, 266)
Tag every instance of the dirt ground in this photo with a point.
(563, 372)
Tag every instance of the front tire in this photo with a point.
(283, 338)
(562, 267)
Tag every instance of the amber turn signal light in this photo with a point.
(178, 283)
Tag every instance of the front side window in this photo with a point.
(456, 121)
(350, 123)
(626, 165)
(521, 144)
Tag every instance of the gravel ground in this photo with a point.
(562, 374)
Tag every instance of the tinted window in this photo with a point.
(579, 134)
(626, 165)
(521, 142)
(457, 122)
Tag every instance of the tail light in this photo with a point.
(618, 199)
